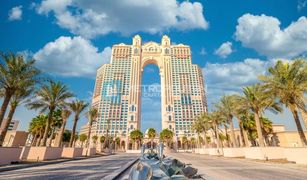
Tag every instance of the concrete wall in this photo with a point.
(15, 138)
(233, 152)
(44, 153)
(263, 153)
(72, 152)
(298, 155)
(9, 154)
(89, 151)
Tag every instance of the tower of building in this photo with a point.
(117, 93)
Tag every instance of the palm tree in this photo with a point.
(200, 125)
(151, 135)
(65, 113)
(15, 74)
(257, 100)
(37, 127)
(136, 137)
(166, 135)
(240, 111)
(82, 138)
(226, 108)
(77, 106)
(95, 138)
(48, 98)
(288, 83)
(92, 115)
(56, 123)
(184, 142)
(216, 119)
(102, 140)
(16, 100)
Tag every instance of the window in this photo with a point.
(169, 118)
(132, 118)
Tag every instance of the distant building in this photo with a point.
(117, 94)
(84, 129)
(15, 138)
(12, 127)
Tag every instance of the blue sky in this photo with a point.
(232, 41)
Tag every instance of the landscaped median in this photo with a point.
(292, 154)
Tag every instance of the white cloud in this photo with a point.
(229, 78)
(203, 51)
(90, 18)
(15, 13)
(263, 33)
(301, 5)
(224, 50)
(68, 56)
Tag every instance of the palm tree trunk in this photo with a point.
(73, 131)
(51, 137)
(205, 138)
(89, 134)
(39, 138)
(44, 141)
(244, 141)
(232, 134)
(7, 123)
(298, 125)
(226, 134)
(59, 143)
(217, 137)
(259, 130)
(6, 101)
(34, 139)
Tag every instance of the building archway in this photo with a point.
(118, 97)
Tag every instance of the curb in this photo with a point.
(116, 174)
(36, 164)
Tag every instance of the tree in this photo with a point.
(193, 142)
(102, 139)
(16, 73)
(47, 98)
(56, 123)
(66, 136)
(136, 137)
(258, 100)
(215, 118)
(77, 106)
(92, 115)
(248, 123)
(82, 138)
(166, 135)
(201, 125)
(184, 142)
(240, 111)
(151, 135)
(288, 83)
(226, 107)
(95, 138)
(65, 113)
(36, 128)
(16, 100)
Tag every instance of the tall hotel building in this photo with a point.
(117, 93)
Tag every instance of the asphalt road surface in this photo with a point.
(93, 168)
(216, 168)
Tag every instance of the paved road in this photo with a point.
(94, 168)
(240, 169)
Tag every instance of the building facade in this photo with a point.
(117, 93)
(12, 127)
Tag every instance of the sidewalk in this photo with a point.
(28, 164)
